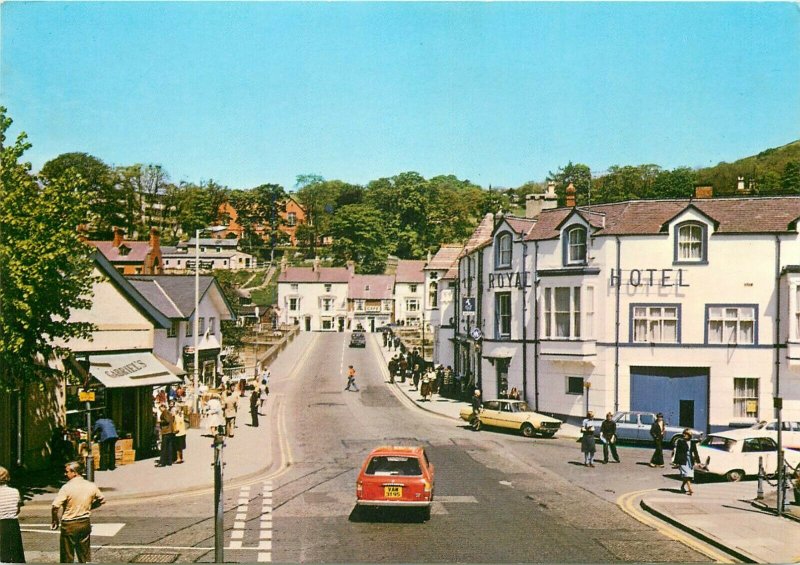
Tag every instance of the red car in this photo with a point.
(395, 476)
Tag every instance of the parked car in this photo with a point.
(515, 415)
(634, 426)
(734, 454)
(358, 339)
(394, 476)
(790, 432)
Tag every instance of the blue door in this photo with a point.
(670, 390)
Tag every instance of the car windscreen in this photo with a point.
(522, 407)
(393, 465)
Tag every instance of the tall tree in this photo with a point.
(45, 270)
(581, 178)
(358, 236)
(258, 211)
(104, 199)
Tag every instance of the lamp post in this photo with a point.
(255, 363)
(196, 323)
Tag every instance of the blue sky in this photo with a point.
(497, 93)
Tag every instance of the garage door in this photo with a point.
(681, 393)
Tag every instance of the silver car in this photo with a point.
(634, 426)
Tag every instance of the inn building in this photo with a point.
(688, 307)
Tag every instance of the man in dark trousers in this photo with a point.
(657, 432)
(106, 434)
(254, 404)
(77, 498)
(608, 436)
(165, 425)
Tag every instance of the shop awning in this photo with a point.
(125, 370)
(500, 353)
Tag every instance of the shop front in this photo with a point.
(209, 364)
(123, 385)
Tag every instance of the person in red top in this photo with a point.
(351, 378)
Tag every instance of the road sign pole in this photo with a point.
(89, 455)
(219, 510)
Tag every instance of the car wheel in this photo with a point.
(734, 475)
(528, 429)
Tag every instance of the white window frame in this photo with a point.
(561, 322)
(326, 304)
(650, 323)
(504, 251)
(688, 238)
(359, 304)
(577, 250)
(728, 324)
(745, 390)
(412, 305)
(294, 304)
(291, 219)
(502, 315)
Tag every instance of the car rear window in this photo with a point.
(721, 443)
(393, 465)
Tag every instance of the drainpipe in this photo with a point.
(616, 325)
(479, 320)
(778, 401)
(524, 323)
(19, 428)
(535, 275)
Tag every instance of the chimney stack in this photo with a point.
(703, 192)
(351, 267)
(570, 196)
(315, 265)
(284, 264)
(119, 237)
(740, 184)
(551, 191)
(155, 238)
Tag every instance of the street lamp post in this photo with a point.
(196, 323)
(255, 363)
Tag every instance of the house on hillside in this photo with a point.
(293, 215)
(214, 254)
(132, 257)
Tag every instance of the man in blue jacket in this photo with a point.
(106, 434)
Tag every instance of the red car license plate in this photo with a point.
(393, 491)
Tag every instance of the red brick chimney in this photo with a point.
(119, 237)
(155, 238)
(570, 196)
(703, 192)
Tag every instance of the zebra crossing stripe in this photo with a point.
(264, 557)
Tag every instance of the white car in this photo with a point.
(790, 432)
(734, 453)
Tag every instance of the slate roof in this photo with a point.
(481, 235)
(650, 217)
(321, 275)
(138, 251)
(210, 242)
(444, 258)
(410, 271)
(381, 287)
(172, 295)
(521, 225)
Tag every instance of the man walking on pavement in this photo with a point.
(351, 378)
(78, 497)
(254, 405)
(105, 432)
(230, 407)
(657, 432)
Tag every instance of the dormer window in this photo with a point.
(691, 240)
(124, 250)
(327, 288)
(575, 252)
(502, 258)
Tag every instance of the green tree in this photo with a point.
(258, 212)
(790, 179)
(358, 236)
(105, 210)
(45, 270)
(581, 178)
(677, 183)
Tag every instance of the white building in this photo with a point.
(370, 301)
(314, 298)
(687, 307)
(409, 292)
(214, 254)
(441, 278)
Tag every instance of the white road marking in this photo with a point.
(264, 557)
(264, 525)
(103, 529)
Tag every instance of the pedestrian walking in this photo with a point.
(166, 428)
(351, 378)
(105, 433)
(657, 432)
(403, 369)
(230, 406)
(608, 437)
(179, 425)
(254, 403)
(416, 373)
(75, 502)
(686, 456)
(214, 418)
(265, 375)
(10, 537)
(588, 446)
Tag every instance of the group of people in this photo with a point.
(70, 512)
(685, 456)
(172, 430)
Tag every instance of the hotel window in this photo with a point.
(690, 243)
(172, 331)
(412, 304)
(655, 324)
(291, 218)
(731, 324)
(562, 312)
(575, 385)
(502, 309)
(502, 259)
(576, 246)
(294, 304)
(745, 398)
(327, 304)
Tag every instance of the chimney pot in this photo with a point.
(119, 237)
(703, 192)
(571, 196)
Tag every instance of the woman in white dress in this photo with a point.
(214, 417)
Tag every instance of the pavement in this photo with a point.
(725, 515)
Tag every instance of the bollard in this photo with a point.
(760, 491)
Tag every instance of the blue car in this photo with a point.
(634, 426)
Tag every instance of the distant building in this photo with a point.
(409, 292)
(370, 300)
(214, 254)
(132, 257)
(314, 298)
(293, 215)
